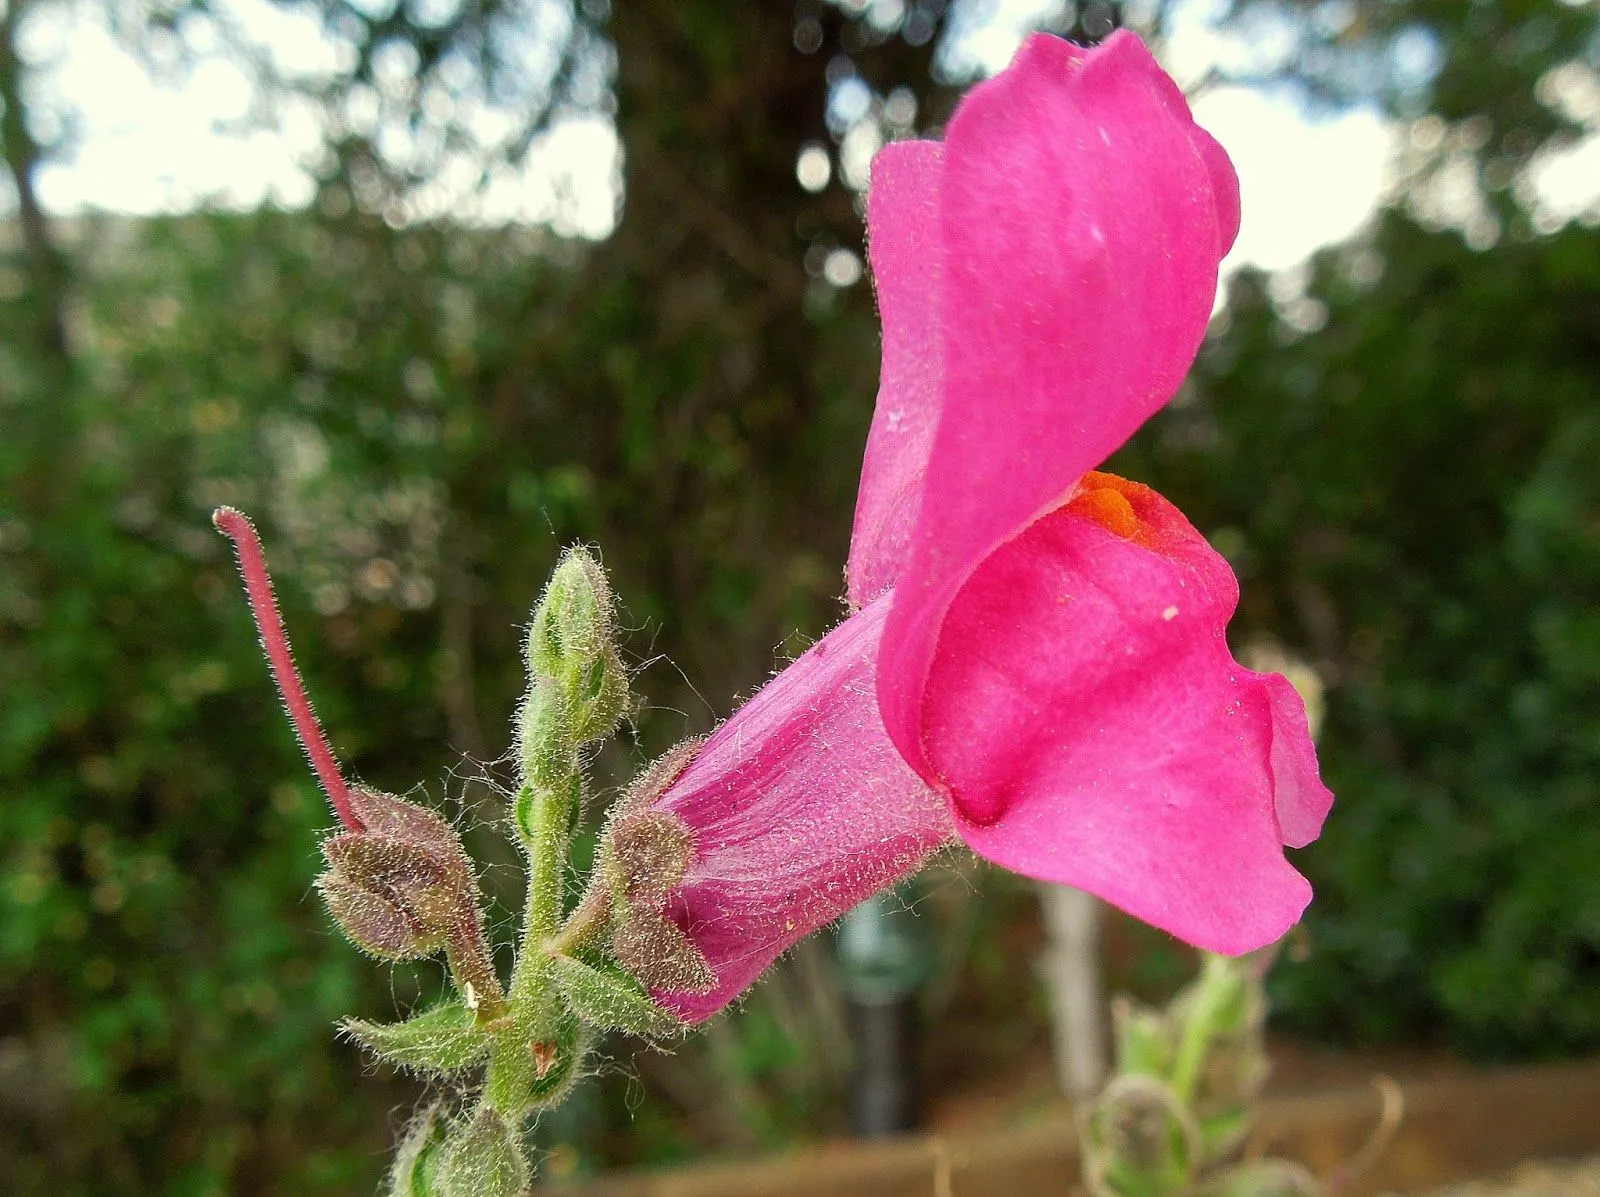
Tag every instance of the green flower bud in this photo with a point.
(575, 616)
(484, 1158)
(1262, 1178)
(1145, 1039)
(1138, 1141)
(548, 746)
(572, 644)
(1229, 998)
(600, 691)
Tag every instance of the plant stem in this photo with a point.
(548, 814)
(1212, 991)
(589, 917)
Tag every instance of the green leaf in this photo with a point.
(1221, 1133)
(417, 1159)
(608, 998)
(442, 1040)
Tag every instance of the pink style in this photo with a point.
(1036, 664)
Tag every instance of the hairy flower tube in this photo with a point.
(1036, 663)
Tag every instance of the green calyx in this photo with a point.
(609, 999)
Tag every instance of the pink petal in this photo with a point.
(907, 256)
(1093, 728)
(1302, 801)
(799, 807)
(1081, 225)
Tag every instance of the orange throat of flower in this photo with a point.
(1113, 503)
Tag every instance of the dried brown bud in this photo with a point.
(403, 887)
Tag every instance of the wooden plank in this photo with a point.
(1454, 1127)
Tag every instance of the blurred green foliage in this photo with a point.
(1401, 457)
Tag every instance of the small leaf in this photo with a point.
(417, 1159)
(608, 998)
(442, 1040)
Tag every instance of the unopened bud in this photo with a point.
(1138, 1141)
(574, 617)
(484, 1158)
(414, 1173)
(572, 640)
(1262, 1178)
(549, 748)
(600, 690)
(1145, 1038)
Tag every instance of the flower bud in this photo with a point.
(1138, 1141)
(1263, 1178)
(1145, 1039)
(402, 888)
(572, 641)
(574, 618)
(548, 745)
(416, 1162)
(483, 1158)
(1229, 997)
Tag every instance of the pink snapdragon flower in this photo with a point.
(1036, 662)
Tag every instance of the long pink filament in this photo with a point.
(269, 624)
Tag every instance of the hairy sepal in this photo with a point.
(440, 1041)
(609, 999)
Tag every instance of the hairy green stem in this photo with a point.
(589, 917)
(1198, 1028)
